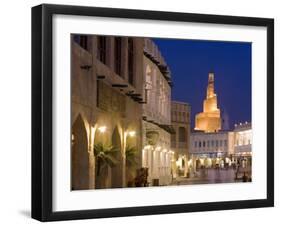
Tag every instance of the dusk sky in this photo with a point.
(190, 62)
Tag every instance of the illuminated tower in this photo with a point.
(209, 120)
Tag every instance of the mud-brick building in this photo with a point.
(157, 155)
(106, 98)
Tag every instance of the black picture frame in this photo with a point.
(42, 106)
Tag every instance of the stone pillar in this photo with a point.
(92, 168)
(123, 159)
(185, 165)
(150, 163)
(92, 165)
(124, 171)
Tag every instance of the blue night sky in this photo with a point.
(190, 62)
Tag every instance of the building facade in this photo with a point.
(180, 140)
(105, 72)
(209, 120)
(232, 145)
(212, 145)
(243, 139)
(157, 155)
(211, 149)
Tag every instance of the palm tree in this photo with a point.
(105, 157)
(131, 163)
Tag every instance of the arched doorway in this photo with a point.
(116, 171)
(79, 156)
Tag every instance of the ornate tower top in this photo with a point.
(211, 86)
(211, 77)
(209, 120)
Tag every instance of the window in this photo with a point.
(102, 49)
(117, 55)
(217, 143)
(212, 143)
(182, 134)
(183, 117)
(225, 143)
(199, 144)
(220, 143)
(204, 143)
(81, 40)
(195, 144)
(131, 61)
(148, 85)
(84, 42)
(208, 143)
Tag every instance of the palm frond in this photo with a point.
(105, 155)
(131, 157)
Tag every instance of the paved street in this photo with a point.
(210, 176)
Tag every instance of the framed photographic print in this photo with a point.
(147, 112)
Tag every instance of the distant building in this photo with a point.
(157, 155)
(234, 144)
(243, 139)
(212, 145)
(212, 142)
(181, 138)
(209, 120)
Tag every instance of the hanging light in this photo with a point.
(102, 129)
(132, 133)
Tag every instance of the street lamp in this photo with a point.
(132, 133)
(102, 129)
(72, 139)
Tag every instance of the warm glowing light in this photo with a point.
(178, 163)
(72, 139)
(102, 129)
(209, 120)
(132, 133)
(158, 148)
(147, 147)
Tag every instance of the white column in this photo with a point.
(155, 164)
(150, 163)
(161, 167)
